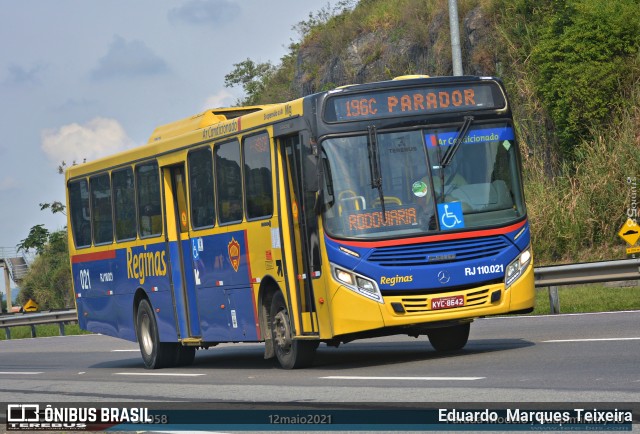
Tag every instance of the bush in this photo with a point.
(49, 279)
(583, 57)
(576, 216)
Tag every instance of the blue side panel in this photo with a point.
(243, 321)
(222, 257)
(181, 309)
(189, 281)
(105, 284)
(222, 277)
(213, 306)
(165, 317)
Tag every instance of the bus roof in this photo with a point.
(161, 139)
(201, 120)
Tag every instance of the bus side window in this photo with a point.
(228, 182)
(201, 188)
(149, 205)
(101, 209)
(124, 202)
(257, 176)
(79, 209)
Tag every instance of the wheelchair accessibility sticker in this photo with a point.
(450, 215)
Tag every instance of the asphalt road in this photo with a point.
(563, 358)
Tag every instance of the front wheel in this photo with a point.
(449, 339)
(155, 354)
(291, 353)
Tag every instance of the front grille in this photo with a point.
(438, 252)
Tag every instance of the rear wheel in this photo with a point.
(291, 353)
(155, 354)
(449, 339)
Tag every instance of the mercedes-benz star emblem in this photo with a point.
(443, 277)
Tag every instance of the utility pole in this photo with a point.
(456, 53)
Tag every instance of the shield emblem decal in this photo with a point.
(234, 253)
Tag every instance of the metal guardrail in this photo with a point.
(33, 319)
(551, 277)
(589, 272)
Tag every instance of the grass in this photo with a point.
(589, 298)
(44, 330)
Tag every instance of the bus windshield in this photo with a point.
(407, 191)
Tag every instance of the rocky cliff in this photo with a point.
(393, 49)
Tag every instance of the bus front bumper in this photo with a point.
(352, 313)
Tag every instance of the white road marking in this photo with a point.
(560, 315)
(350, 377)
(594, 340)
(20, 373)
(137, 350)
(159, 374)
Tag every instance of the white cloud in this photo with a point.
(223, 98)
(97, 138)
(8, 183)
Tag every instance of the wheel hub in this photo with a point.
(282, 331)
(145, 335)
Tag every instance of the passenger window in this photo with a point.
(80, 215)
(124, 201)
(149, 204)
(201, 188)
(101, 209)
(229, 182)
(257, 176)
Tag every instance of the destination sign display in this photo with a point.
(371, 221)
(413, 101)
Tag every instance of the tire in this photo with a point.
(291, 353)
(155, 354)
(448, 339)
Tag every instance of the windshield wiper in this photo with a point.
(451, 152)
(374, 166)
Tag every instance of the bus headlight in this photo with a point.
(357, 283)
(516, 267)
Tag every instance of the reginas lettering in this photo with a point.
(391, 281)
(146, 264)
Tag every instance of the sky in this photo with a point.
(80, 79)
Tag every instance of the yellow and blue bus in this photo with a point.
(370, 210)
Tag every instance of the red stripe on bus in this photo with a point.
(432, 238)
(97, 256)
(253, 295)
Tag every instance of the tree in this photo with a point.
(251, 76)
(49, 278)
(37, 239)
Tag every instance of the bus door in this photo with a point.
(298, 209)
(180, 252)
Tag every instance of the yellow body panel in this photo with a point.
(353, 313)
